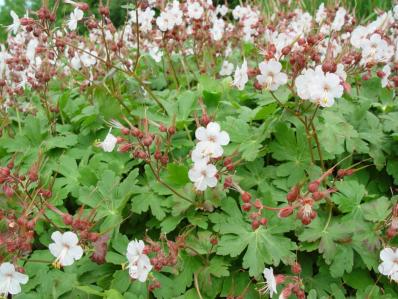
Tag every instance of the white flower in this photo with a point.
(270, 282)
(271, 76)
(217, 31)
(176, 12)
(203, 175)
(88, 58)
(65, 248)
(15, 23)
(75, 16)
(318, 87)
(389, 265)
(320, 14)
(227, 68)
(155, 53)
(139, 263)
(395, 10)
(75, 62)
(222, 10)
(195, 10)
(341, 72)
(145, 18)
(211, 139)
(338, 21)
(358, 36)
(109, 142)
(387, 72)
(240, 76)
(304, 83)
(10, 280)
(31, 49)
(376, 49)
(165, 21)
(327, 89)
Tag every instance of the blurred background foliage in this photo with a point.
(364, 9)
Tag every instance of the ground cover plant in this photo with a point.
(199, 150)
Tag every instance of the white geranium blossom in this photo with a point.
(227, 68)
(320, 14)
(387, 72)
(203, 175)
(327, 89)
(318, 87)
(271, 76)
(155, 53)
(109, 142)
(10, 280)
(65, 248)
(389, 265)
(270, 282)
(339, 19)
(75, 16)
(165, 21)
(240, 76)
(16, 23)
(88, 58)
(222, 10)
(211, 139)
(195, 10)
(75, 62)
(139, 264)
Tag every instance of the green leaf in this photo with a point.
(349, 196)
(343, 261)
(376, 210)
(142, 202)
(177, 175)
(115, 258)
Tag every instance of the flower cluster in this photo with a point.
(209, 147)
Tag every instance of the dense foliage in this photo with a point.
(199, 151)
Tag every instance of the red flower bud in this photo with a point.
(147, 140)
(258, 204)
(317, 195)
(172, 130)
(246, 197)
(230, 167)
(228, 182)
(255, 224)
(286, 50)
(246, 207)
(135, 132)
(263, 221)
(214, 241)
(103, 10)
(165, 159)
(205, 119)
(125, 131)
(253, 216)
(227, 161)
(313, 186)
(68, 219)
(285, 212)
(8, 191)
(296, 268)
(380, 74)
(293, 193)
